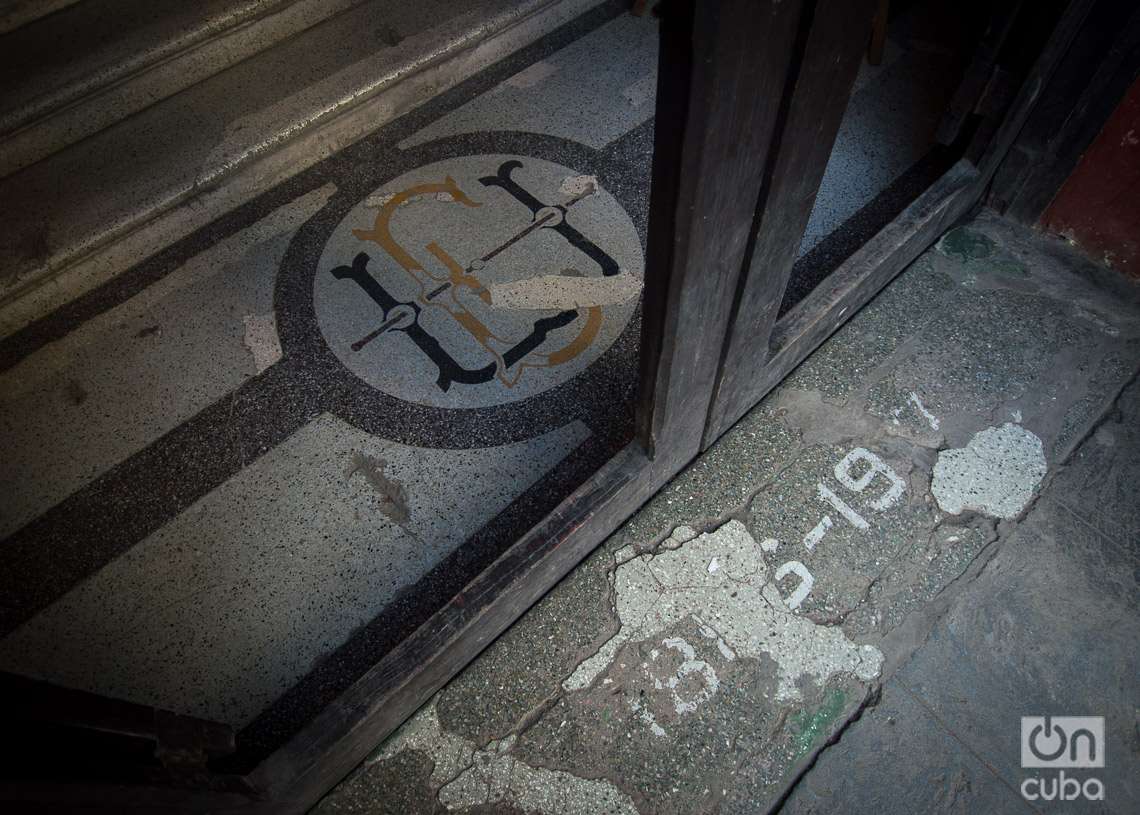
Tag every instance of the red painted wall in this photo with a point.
(1098, 207)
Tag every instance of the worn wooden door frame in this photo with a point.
(708, 168)
(750, 95)
(759, 349)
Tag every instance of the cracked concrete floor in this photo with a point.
(929, 531)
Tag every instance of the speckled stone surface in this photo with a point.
(227, 605)
(604, 86)
(890, 122)
(75, 73)
(252, 539)
(137, 169)
(118, 382)
(633, 671)
(212, 511)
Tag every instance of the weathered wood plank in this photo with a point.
(978, 73)
(816, 101)
(1056, 46)
(723, 77)
(1041, 160)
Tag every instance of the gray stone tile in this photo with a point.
(986, 348)
(1100, 486)
(1108, 373)
(1049, 627)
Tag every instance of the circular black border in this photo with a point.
(599, 395)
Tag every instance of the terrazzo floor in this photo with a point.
(919, 546)
(239, 473)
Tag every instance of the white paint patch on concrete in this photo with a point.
(378, 200)
(931, 419)
(815, 535)
(842, 507)
(797, 597)
(469, 777)
(710, 633)
(565, 292)
(875, 467)
(996, 473)
(740, 602)
(450, 754)
(646, 716)
(710, 683)
(261, 339)
(769, 544)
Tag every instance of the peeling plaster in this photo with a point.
(996, 473)
(378, 200)
(739, 602)
(468, 777)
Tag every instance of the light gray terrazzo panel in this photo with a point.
(82, 404)
(888, 126)
(592, 91)
(225, 607)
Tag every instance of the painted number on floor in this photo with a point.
(871, 470)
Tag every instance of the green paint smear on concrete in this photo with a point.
(1009, 267)
(965, 245)
(810, 726)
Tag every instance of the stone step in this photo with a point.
(16, 13)
(71, 74)
(102, 204)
